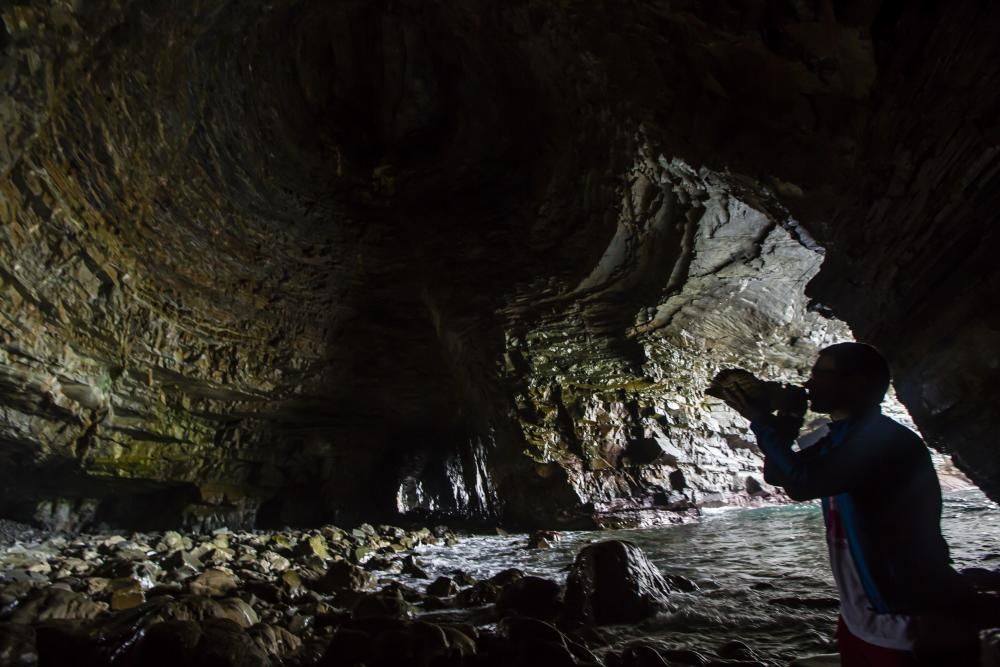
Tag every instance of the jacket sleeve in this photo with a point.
(822, 470)
(783, 430)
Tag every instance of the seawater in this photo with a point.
(742, 560)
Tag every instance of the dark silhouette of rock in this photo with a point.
(613, 582)
(531, 596)
(342, 575)
(542, 539)
(481, 593)
(212, 643)
(442, 587)
(56, 604)
(17, 645)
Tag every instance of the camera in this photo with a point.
(777, 396)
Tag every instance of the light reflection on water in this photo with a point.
(741, 559)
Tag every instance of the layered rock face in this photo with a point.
(299, 261)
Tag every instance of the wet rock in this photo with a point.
(380, 564)
(213, 582)
(504, 577)
(125, 593)
(349, 647)
(536, 642)
(67, 643)
(613, 582)
(172, 541)
(461, 640)
(414, 568)
(519, 629)
(299, 624)
(383, 605)
(56, 604)
(275, 562)
(12, 531)
(95, 586)
(237, 611)
(681, 583)
(412, 643)
(342, 575)
(409, 593)
(168, 588)
(144, 571)
(391, 642)
(213, 555)
(17, 645)
(215, 643)
(542, 539)
(192, 608)
(531, 596)
(480, 594)
(464, 578)
(292, 583)
(183, 562)
(442, 587)
(275, 641)
(19, 558)
(313, 545)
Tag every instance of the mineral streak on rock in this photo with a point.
(303, 261)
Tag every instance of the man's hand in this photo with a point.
(738, 399)
(790, 400)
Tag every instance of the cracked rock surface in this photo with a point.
(306, 261)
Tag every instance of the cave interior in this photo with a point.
(301, 261)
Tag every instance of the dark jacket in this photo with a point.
(889, 498)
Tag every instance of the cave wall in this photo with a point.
(911, 262)
(294, 261)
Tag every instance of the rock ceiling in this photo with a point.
(306, 259)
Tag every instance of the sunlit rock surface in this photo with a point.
(302, 261)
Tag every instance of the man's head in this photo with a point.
(848, 377)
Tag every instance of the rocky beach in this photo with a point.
(318, 597)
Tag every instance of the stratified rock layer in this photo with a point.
(305, 260)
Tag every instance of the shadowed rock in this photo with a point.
(613, 582)
(531, 596)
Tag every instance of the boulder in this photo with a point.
(613, 582)
(17, 644)
(543, 539)
(274, 640)
(531, 596)
(126, 593)
(481, 593)
(313, 545)
(213, 582)
(213, 643)
(504, 577)
(342, 575)
(414, 568)
(383, 605)
(442, 587)
(47, 604)
(534, 642)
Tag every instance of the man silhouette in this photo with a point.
(881, 504)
